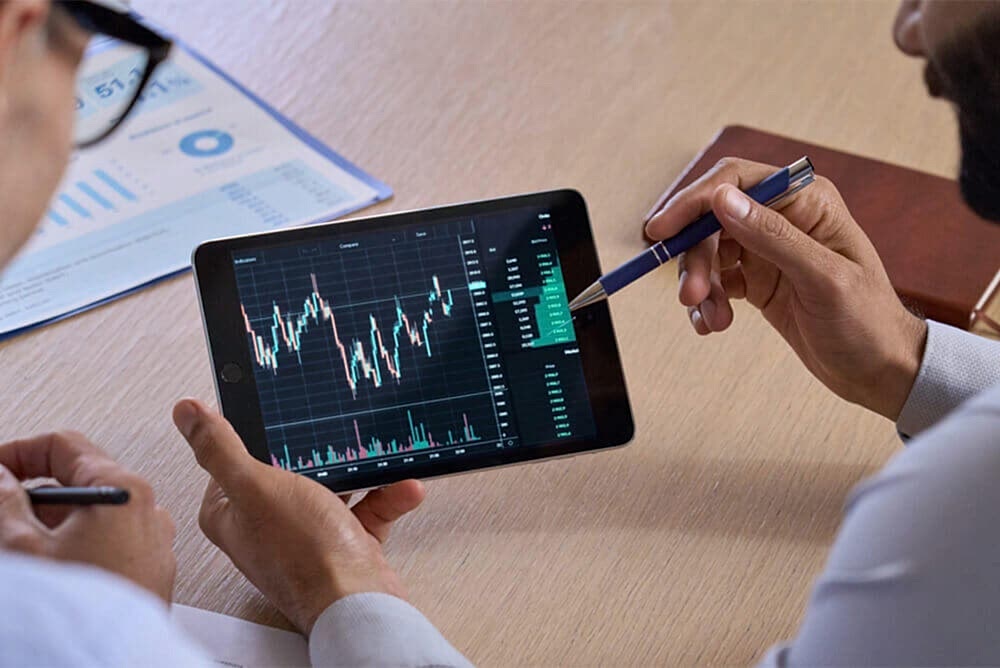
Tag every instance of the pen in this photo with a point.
(79, 496)
(768, 192)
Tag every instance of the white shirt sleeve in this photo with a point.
(957, 365)
(911, 578)
(379, 630)
(58, 614)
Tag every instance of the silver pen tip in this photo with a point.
(594, 293)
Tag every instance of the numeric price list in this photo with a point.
(538, 343)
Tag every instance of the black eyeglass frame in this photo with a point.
(98, 19)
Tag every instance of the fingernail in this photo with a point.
(649, 215)
(185, 416)
(695, 317)
(736, 203)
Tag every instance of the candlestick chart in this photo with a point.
(369, 364)
(367, 351)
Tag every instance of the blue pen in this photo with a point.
(768, 192)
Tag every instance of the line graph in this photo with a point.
(358, 363)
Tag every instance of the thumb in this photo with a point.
(19, 528)
(767, 233)
(216, 445)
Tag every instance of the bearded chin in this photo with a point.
(979, 177)
(966, 70)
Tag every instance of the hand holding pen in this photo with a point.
(133, 540)
(810, 270)
(769, 191)
(78, 496)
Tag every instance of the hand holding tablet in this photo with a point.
(416, 344)
(279, 529)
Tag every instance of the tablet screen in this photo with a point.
(382, 349)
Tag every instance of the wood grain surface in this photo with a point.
(697, 544)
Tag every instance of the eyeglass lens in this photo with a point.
(107, 82)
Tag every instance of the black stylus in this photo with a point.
(78, 496)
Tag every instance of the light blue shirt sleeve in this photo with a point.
(57, 614)
(912, 576)
(957, 365)
(379, 630)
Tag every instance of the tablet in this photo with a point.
(415, 344)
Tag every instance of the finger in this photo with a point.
(216, 445)
(51, 516)
(761, 278)
(67, 456)
(653, 210)
(381, 507)
(696, 199)
(734, 282)
(346, 498)
(84, 520)
(730, 253)
(212, 511)
(820, 212)
(14, 501)
(697, 321)
(771, 236)
(695, 266)
(716, 311)
(19, 528)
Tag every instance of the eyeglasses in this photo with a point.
(120, 60)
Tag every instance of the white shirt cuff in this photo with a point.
(374, 629)
(957, 365)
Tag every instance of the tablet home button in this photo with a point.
(232, 373)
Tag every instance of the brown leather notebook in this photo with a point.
(940, 256)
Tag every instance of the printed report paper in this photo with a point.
(237, 643)
(198, 158)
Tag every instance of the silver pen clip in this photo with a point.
(800, 174)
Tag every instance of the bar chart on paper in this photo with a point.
(85, 201)
(364, 353)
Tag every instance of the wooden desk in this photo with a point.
(697, 543)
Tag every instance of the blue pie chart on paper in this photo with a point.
(206, 143)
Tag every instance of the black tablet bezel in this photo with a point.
(236, 387)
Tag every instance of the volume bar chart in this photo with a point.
(420, 437)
